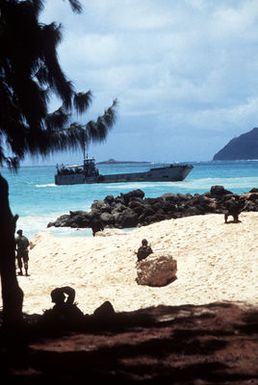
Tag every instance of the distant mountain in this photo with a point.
(113, 161)
(243, 147)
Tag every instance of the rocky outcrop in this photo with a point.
(244, 147)
(133, 209)
(156, 270)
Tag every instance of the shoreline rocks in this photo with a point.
(133, 209)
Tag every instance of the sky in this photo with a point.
(185, 73)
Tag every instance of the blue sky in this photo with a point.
(185, 73)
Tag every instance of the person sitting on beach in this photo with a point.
(22, 252)
(233, 208)
(65, 311)
(144, 250)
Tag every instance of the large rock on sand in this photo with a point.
(156, 270)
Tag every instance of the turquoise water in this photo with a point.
(37, 200)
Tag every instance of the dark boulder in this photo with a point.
(219, 191)
(118, 207)
(132, 194)
(107, 219)
(127, 218)
(79, 212)
(101, 206)
(109, 199)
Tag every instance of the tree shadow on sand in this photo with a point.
(209, 344)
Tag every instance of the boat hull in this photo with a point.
(172, 173)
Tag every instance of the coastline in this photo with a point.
(37, 200)
(216, 262)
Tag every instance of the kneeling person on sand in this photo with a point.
(144, 250)
(65, 312)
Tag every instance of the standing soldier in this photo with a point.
(22, 244)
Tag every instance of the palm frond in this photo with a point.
(13, 163)
(60, 140)
(42, 75)
(51, 35)
(110, 115)
(16, 139)
(57, 119)
(38, 6)
(31, 98)
(82, 101)
(76, 6)
(97, 130)
(2, 155)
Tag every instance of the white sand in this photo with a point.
(216, 262)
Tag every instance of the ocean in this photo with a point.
(37, 200)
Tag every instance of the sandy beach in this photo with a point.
(216, 262)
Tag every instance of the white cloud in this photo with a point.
(232, 22)
(185, 67)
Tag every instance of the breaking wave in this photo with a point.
(46, 185)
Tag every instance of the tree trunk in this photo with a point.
(12, 295)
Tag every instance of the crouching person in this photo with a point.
(65, 313)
